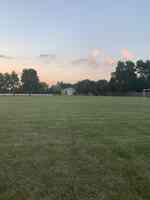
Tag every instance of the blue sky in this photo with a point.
(70, 29)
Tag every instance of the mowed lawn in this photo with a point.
(74, 148)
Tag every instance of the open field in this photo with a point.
(74, 148)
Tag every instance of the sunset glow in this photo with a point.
(66, 42)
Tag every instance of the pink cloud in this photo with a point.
(110, 61)
(127, 55)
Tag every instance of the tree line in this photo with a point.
(28, 83)
(128, 76)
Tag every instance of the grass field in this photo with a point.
(74, 148)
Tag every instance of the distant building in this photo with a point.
(68, 91)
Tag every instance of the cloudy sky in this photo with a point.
(70, 40)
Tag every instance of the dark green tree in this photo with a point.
(30, 81)
(86, 87)
(143, 72)
(1, 82)
(101, 87)
(43, 87)
(124, 79)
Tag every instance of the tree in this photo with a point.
(43, 87)
(86, 87)
(140, 69)
(56, 89)
(101, 87)
(131, 76)
(124, 78)
(14, 82)
(1, 82)
(7, 84)
(143, 72)
(63, 85)
(30, 80)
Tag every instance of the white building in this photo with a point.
(68, 91)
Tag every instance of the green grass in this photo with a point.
(74, 148)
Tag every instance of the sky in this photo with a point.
(70, 40)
